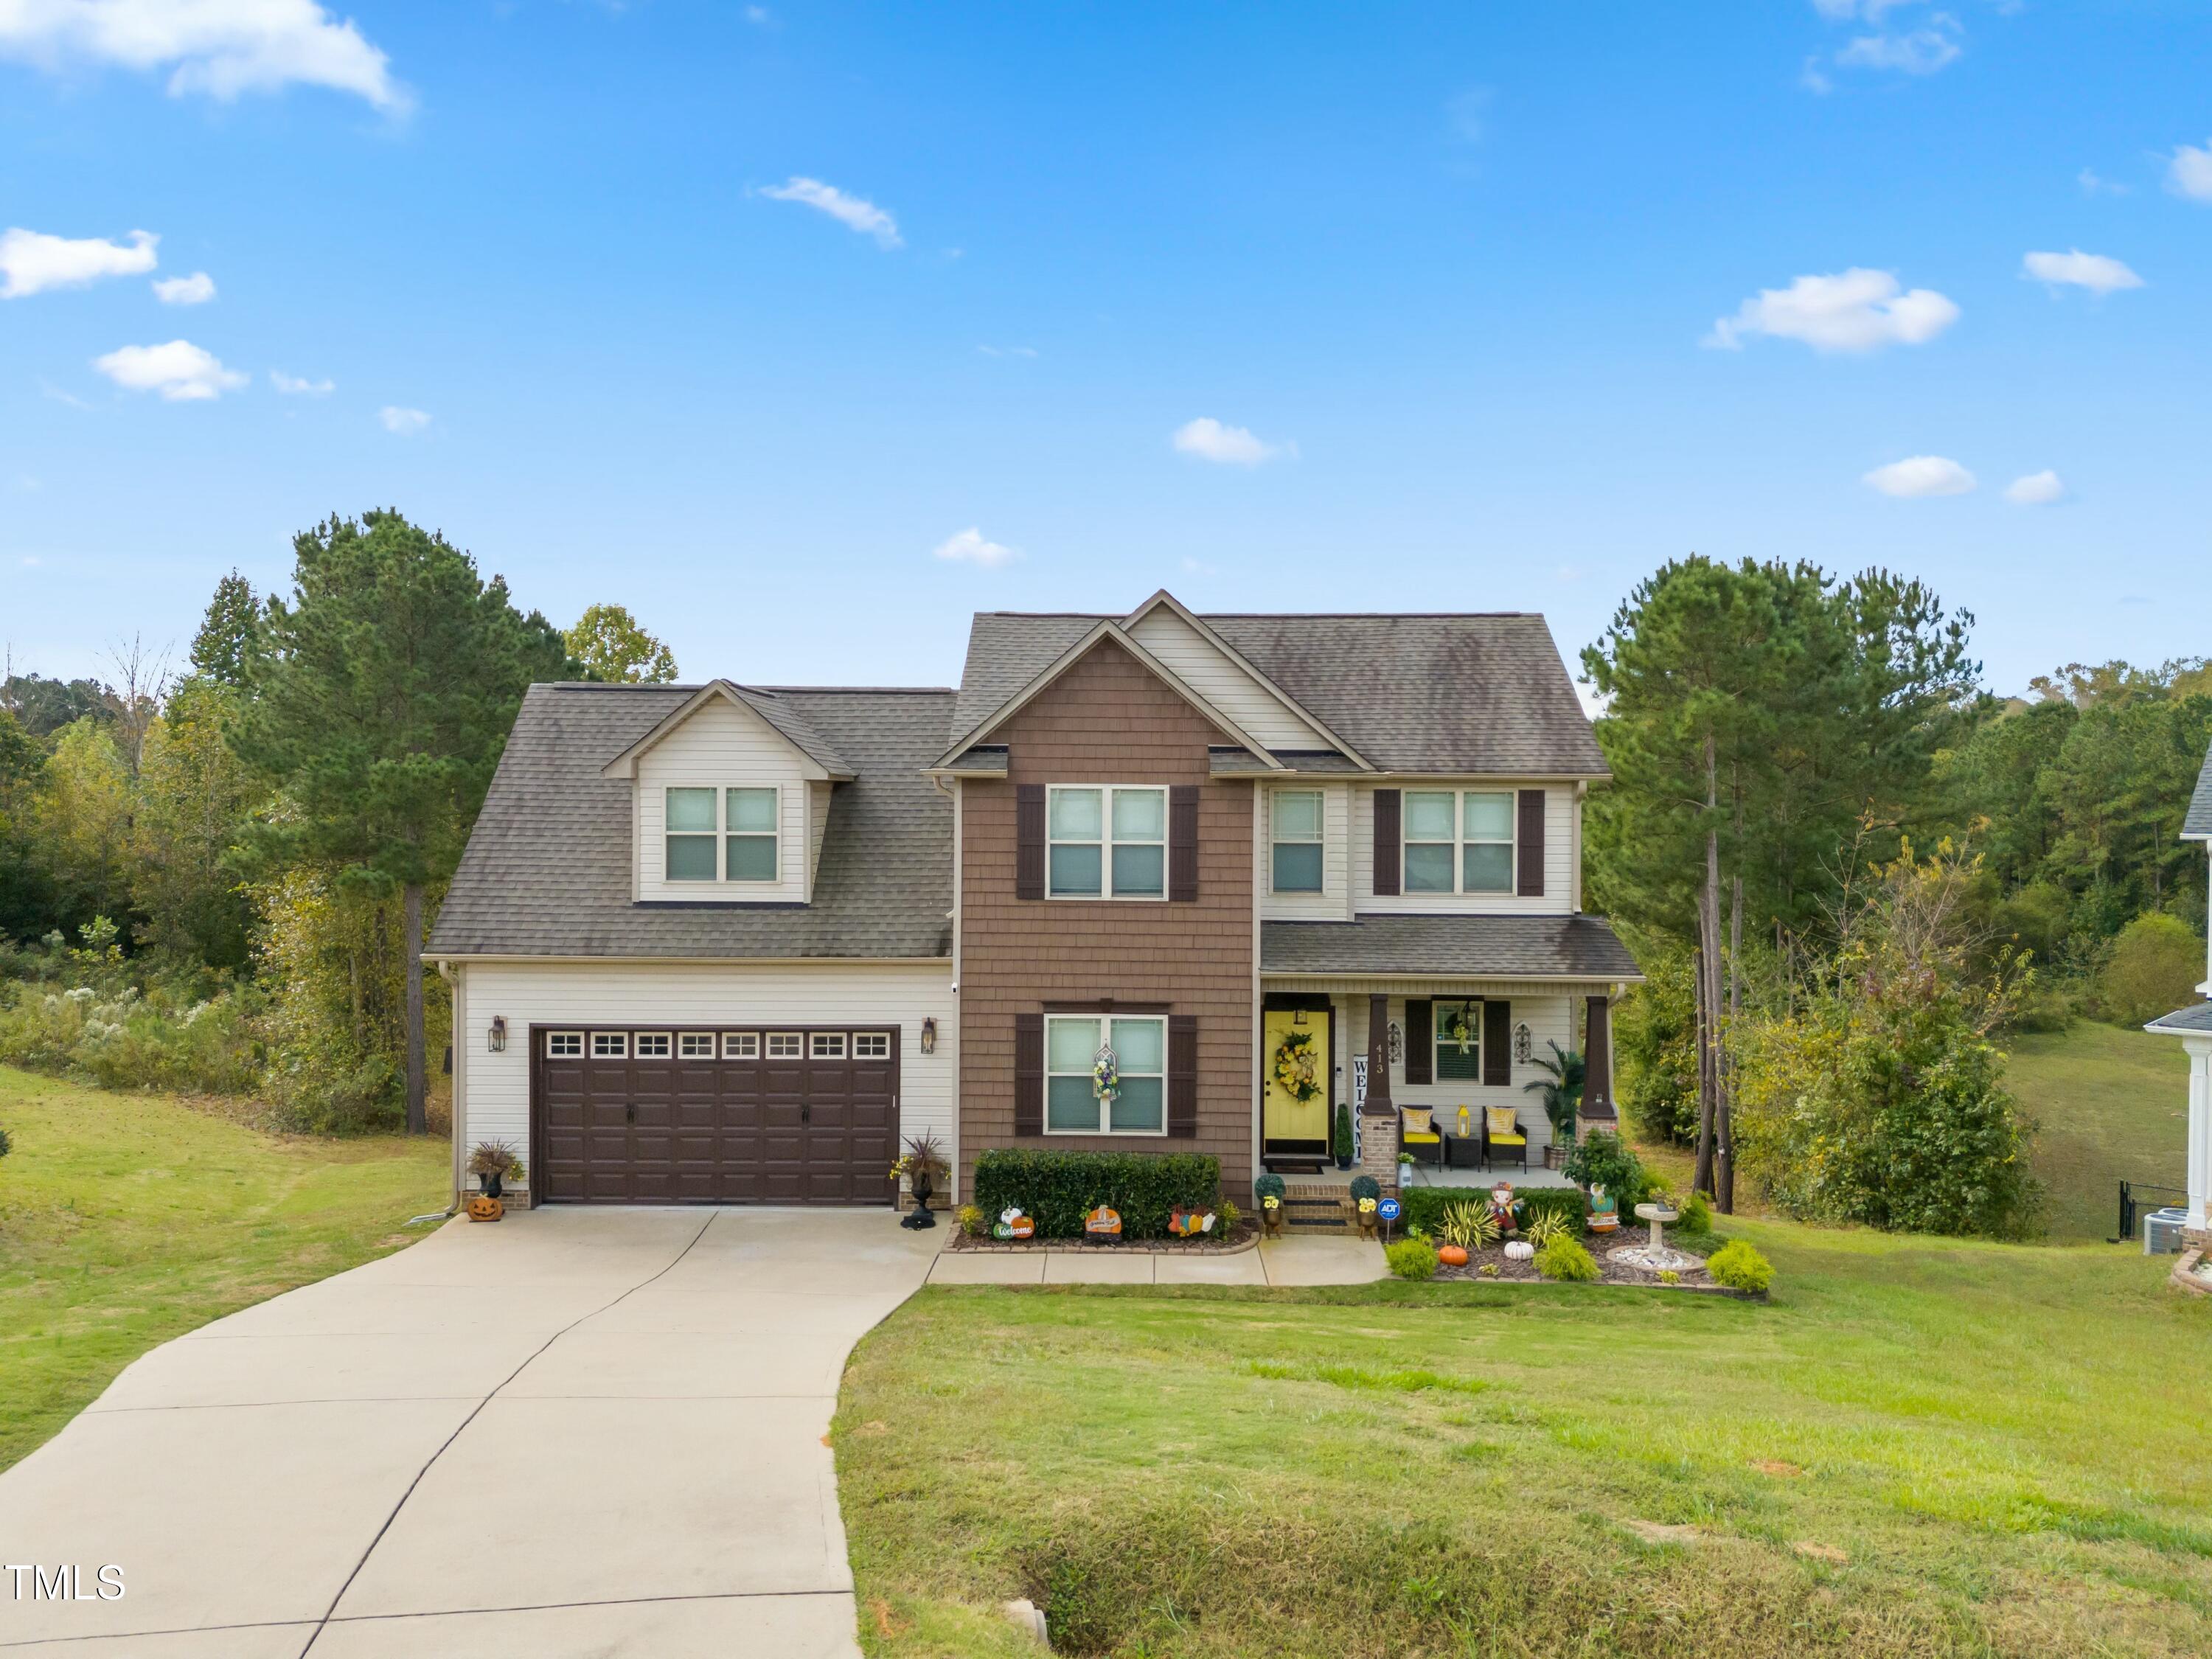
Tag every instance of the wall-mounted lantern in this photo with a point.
(496, 1034)
(929, 1034)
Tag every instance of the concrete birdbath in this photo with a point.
(1656, 1256)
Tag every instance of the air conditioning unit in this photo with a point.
(2162, 1231)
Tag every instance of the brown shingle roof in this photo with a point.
(1473, 947)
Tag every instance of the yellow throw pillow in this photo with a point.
(1500, 1121)
(1415, 1119)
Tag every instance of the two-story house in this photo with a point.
(731, 944)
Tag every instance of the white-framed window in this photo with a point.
(1296, 838)
(741, 1045)
(1458, 841)
(1458, 1031)
(653, 1045)
(872, 1045)
(1106, 842)
(784, 1045)
(610, 1045)
(1072, 1105)
(695, 1045)
(723, 835)
(563, 1045)
(827, 1045)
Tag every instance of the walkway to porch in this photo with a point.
(1323, 1203)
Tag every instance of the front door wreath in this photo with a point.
(1298, 1068)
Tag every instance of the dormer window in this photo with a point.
(722, 835)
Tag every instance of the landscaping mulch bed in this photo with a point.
(1610, 1271)
(1243, 1237)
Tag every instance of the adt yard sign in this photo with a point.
(1389, 1209)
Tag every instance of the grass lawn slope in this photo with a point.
(127, 1220)
(1920, 1447)
(2113, 1105)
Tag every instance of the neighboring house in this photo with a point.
(730, 943)
(2193, 1025)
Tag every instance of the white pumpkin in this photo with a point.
(1519, 1250)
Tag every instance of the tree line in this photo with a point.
(236, 867)
(1799, 760)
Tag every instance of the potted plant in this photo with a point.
(493, 1163)
(920, 1166)
(1342, 1146)
(1405, 1170)
(1268, 1189)
(1561, 1086)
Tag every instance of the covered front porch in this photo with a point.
(1430, 1037)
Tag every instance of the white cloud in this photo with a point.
(2093, 186)
(293, 387)
(759, 16)
(181, 371)
(1916, 51)
(2189, 171)
(406, 423)
(969, 547)
(1921, 475)
(1230, 446)
(2094, 271)
(853, 211)
(218, 47)
(1856, 310)
(2036, 489)
(196, 289)
(31, 261)
(1843, 11)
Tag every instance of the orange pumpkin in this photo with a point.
(1451, 1255)
(483, 1208)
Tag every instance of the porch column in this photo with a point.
(1378, 1127)
(2200, 1132)
(1597, 1111)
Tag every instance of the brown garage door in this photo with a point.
(649, 1115)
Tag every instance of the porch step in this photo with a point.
(1317, 1208)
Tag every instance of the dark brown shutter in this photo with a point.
(1386, 842)
(1029, 1074)
(1497, 1045)
(1420, 1035)
(1029, 840)
(1182, 1076)
(1531, 884)
(1182, 843)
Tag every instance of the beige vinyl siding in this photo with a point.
(494, 1089)
(1550, 1018)
(1334, 901)
(818, 821)
(723, 746)
(1198, 664)
(1561, 811)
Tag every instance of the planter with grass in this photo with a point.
(494, 1163)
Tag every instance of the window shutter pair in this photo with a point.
(1182, 842)
(1389, 837)
(1182, 1075)
(1497, 1043)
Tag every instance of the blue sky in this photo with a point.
(739, 315)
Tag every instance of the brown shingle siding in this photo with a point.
(1108, 719)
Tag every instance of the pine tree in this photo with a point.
(379, 706)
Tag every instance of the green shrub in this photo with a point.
(1739, 1266)
(1655, 1045)
(1341, 1144)
(1269, 1186)
(1366, 1186)
(1469, 1225)
(1601, 1158)
(1060, 1188)
(1566, 1202)
(122, 1036)
(1697, 1215)
(1564, 1258)
(1411, 1258)
(2155, 964)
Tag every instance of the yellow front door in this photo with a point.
(1295, 1061)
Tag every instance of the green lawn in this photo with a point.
(2113, 1104)
(1919, 1447)
(128, 1219)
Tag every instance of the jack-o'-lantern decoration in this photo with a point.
(481, 1206)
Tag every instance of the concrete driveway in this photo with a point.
(579, 1432)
